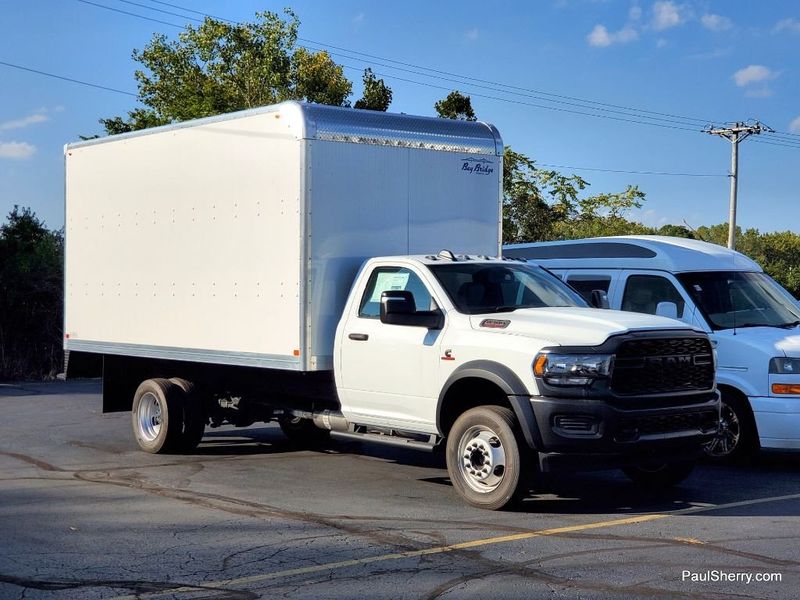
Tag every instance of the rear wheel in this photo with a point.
(737, 435)
(487, 459)
(157, 416)
(661, 475)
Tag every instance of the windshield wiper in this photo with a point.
(509, 308)
(789, 325)
(740, 325)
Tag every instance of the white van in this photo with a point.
(753, 321)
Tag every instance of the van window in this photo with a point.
(393, 278)
(730, 300)
(644, 292)
(586, 284)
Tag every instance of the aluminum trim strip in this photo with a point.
(242, 359)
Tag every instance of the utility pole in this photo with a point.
(736, 133)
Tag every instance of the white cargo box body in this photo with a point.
(235, 239)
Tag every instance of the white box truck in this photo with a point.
(284, 264)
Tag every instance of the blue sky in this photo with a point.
(701, 60)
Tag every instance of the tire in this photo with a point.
(303, 432)
(193, 416)
(738, 437)
(659, 476)
(487, 458)
(157, 416)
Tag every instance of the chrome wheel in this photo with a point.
(482, 463)
(730, 431)
(149, 416)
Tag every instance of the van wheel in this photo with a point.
(659, 476)
(193, 416)
(487, 459)
(737, 436)
(157, 416)
(303, 432)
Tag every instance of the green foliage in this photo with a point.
(377, 95)
(541, 205)
(456, 106)
(31, 297)
(220, 67)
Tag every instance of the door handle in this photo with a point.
(358, 337)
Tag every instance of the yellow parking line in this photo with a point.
(502, 539)
(342, 564)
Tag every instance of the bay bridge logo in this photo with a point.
(477, 166)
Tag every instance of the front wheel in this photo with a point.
(661, 475)
(737, 431)
(487, 459)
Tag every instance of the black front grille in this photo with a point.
(632, 428)
(663, 365)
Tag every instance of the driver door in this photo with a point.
(388, 371)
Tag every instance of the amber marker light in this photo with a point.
(786, 388)
(538, 365)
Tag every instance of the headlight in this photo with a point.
(572, 369)
(785, 366)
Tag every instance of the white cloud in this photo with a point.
(716, 22)
(666, 14)
(37, 117)
(17, 150)
(472, 34)
(600, 37)
(635, 12)
(794, 126)
(790, 24)
(661, 43)
(753, 74)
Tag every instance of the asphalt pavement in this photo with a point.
(85, 514)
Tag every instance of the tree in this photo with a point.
(31, 297)
(456, 106)
(219, 67)
(376, 96)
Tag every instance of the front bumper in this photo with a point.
(580, 434)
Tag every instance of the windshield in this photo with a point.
(734, 299)
(491, 287)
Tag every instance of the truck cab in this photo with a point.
(753, 322)
(456, 346)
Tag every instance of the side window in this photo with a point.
(393, 278)
(644, 292)
(586, 284)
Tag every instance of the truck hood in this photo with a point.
(574, 326)
(771, 341)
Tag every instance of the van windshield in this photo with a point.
(731, 299)
(478, 288)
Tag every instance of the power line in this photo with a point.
(125, 12)
(631, 172)
(674, 121)
(477, 95)
(70, 79)
(438, 72)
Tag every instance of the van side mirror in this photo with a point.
(667, 309)
(398, 308)
(600, 299)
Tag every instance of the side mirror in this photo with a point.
(398, 308)
(667, 309)
(600, 299)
